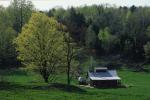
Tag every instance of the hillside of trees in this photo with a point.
(108, 30)
(100, 30)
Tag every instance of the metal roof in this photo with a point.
(101, 68)
(108, 75)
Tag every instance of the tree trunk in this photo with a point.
(44, 75)
(21, 17)
(68, 74)
(46, 79)
(44, 72)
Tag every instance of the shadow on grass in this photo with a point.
(12, 72)
(63, 87)
(13, 86)
(55, 86)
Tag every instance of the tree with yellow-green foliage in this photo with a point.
(40, 45)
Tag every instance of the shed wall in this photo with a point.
(104, 83)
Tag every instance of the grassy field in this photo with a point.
(20, 85)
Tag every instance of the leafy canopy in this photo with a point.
(41, 44)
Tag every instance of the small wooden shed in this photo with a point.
(102, 77)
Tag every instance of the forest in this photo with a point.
(60, 45)
(109, 31)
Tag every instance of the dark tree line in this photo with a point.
(12, 19)
(108, 30)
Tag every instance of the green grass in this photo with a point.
(20, 85)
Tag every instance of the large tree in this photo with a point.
(41, 44)
(71, 51)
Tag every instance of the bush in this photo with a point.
(146, 68)
(114, 65)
